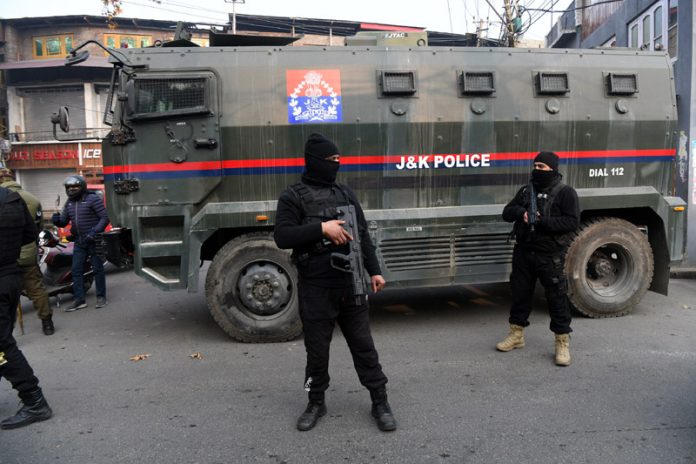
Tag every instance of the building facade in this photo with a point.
(659, 25)
(36, 83)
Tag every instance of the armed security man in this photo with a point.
(16, 229)
(32, 278)
(541, 242)
(306, 221)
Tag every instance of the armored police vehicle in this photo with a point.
(434, 140)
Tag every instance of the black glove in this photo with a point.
(70, 238)
(55, 219)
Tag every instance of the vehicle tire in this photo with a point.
(251, 290)
(609, 265)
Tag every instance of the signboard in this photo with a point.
(54, 155)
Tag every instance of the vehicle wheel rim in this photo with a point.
(609, 270)
(264, 288)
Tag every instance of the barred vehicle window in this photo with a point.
(166, 95)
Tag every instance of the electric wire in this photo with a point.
(584, 7)
(144, 5)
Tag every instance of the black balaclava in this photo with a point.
(543, 179)
(317, 167)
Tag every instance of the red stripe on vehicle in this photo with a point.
(359, 160)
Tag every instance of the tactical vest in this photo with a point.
(11, 227)
(544, 202)
(318, 205)
(546, 199)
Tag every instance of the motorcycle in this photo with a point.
(55, 262)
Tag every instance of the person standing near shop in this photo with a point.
(32, 280)
(306, 222)
(86, 213)
(17, 228)
(541, 243)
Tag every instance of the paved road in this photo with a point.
(629, 396)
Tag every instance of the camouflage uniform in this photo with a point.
(32, 278)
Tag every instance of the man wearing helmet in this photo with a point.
(86, 212)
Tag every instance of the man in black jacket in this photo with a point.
(540, 251)
(86, 213)
(16, 229)
(307, 223)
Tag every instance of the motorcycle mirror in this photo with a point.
(58, 201)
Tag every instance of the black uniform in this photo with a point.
(16, 229)
(326, 294)
(540, 254)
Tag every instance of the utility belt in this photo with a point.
(322, 247)
(522, 234)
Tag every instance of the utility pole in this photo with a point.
(234, 13)
(479, 33)
(507, 22)
(510, 29)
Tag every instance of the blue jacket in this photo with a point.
(87, 215)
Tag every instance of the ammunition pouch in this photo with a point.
(321, 247)
(560, 282)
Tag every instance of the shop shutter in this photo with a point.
(46, 184)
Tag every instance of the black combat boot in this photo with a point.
(381, 410)
(315, 409)
(47, 326)
(34, 409)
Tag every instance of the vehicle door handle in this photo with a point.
(205, 143)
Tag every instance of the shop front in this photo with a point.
(42, 167)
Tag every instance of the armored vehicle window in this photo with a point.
(551, 83)
(398, 82)
(477, 83)
(155, 97)
(622, 84)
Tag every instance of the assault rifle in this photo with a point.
(353, 261)
(532, 211)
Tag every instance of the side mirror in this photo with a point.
(75, 58)
(47, 238)
(61, 118)
(129, 95)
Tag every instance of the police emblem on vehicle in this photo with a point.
(314, 95)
